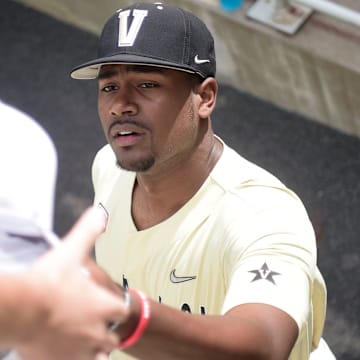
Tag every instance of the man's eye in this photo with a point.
(108, 88)
(148, 85)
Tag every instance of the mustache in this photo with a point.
(138, 123)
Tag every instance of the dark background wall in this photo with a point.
(320, 164)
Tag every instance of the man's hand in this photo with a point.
(72, 309)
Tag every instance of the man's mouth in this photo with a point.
(127, 138)
(125, 133)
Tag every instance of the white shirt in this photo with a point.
(243, 238)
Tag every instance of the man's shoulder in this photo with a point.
(244, 181)
(235, 171)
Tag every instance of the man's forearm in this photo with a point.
(178, 335)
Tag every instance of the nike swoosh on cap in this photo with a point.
(201, 61)
(179, 279)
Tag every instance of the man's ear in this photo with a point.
(207, 92)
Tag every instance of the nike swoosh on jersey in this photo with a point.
(201, 61)
(180, 279)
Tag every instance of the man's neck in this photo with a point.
(158, 197)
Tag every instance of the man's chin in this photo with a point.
(142, 165)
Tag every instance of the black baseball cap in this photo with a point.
(156, 35)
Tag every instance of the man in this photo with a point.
(48, 308)
(192, 224)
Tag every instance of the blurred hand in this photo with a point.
(78, 306)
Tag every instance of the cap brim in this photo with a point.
(90, 69)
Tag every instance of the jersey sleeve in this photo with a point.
(271, 254)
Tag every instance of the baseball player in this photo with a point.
(219, 256)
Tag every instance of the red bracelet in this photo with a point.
(143, 321)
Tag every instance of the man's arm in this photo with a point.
(249, 331)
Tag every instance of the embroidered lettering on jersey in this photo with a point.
(127, 35)
(185, 307)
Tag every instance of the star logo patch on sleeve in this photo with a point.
(264, 273)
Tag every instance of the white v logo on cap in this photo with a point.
(128, 37)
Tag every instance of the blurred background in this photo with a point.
(289, 101)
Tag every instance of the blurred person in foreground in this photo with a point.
(218, 255)
(53, 304)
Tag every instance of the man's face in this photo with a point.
(148, 115)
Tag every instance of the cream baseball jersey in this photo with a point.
(242, 238)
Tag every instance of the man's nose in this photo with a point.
(124, 104)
